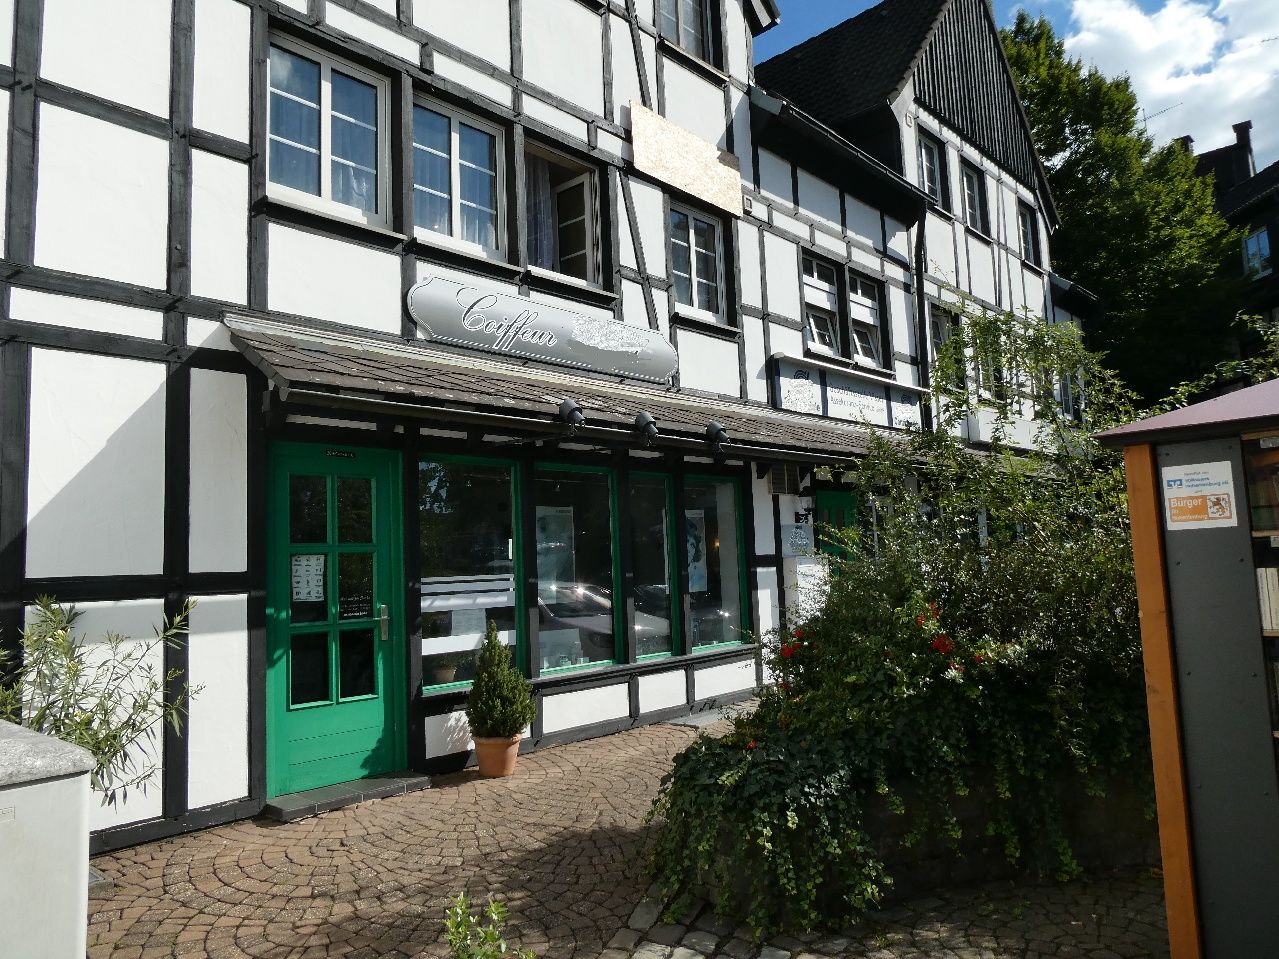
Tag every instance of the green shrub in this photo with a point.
(470, 937)
(500, 704)
(104, 696)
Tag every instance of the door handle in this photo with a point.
(384, 617)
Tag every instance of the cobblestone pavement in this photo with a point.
(560, 842)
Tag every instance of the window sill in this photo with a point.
(979, 235)
(703, 321)
(295, 210)
(935, 206)
(1033, 266)
(548, 281)
(468, 257)
(875, 374)
(708, 70)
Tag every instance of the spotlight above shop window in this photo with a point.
(571, 414)
(716, 436)
(646, 427)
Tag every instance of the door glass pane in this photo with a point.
(651, 561)
(467, 549)
(355, 509)
(308, 510)
(308, 668)
(574, 569)
(355, 586)
(308, 588)
(357, 664)
(714, 562)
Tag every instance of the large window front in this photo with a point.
(713, 550)
(651, 505)
(576, 567)
(468, 544)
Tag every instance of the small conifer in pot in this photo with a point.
(498, 708)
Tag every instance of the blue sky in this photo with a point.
(1197, 65)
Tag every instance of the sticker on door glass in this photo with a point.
(1199, 496)
(308, 578)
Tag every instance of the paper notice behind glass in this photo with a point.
(307, 574)
(695, 540)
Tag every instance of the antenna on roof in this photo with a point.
(1150, 116)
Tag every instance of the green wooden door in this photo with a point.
(837, 509)
(335, 644)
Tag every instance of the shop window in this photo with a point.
(326, 145)
(468, 548)
(976, 211)
(932, 169)
(1028, 226)
(457, 177)
(697, 262)
(563, 221)
(716, 563)
(689, 25)
(651, 507)
(577, 618)
(1256, 254)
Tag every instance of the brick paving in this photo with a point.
(561, 844)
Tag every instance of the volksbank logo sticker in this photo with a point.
(1199, 496)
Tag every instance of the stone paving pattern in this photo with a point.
(561, 844)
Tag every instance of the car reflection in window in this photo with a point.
(588, 609)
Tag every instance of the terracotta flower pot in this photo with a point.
(496, 756)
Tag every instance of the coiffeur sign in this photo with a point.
(465, 315)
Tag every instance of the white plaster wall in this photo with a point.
(783, 339)
(819, 199)
(898, 239)
(762, 516)
(651, 218)
(584, 707)
(116, 49)
(373, 33)
(219, 472)
(481, 83)
(1036, 294)
(662, 690)
(863, 222)
(634, 309)
(901, 313)
(740, 110)
(774, 177)
(736, 41)
(751, 273)
(342, 282)
(219, 227)
(708, 363)
(448, 733)
(981, 269)
(940, 248)
(102, 198)
(6, 32)
(44, 887)
(766, 599)
(222, 68)
(481, 27)
(564, 52)
(781, 260)
(756, 360)
(626, 84)
(218, 722)
(208, 334)
(626, 246)
(790, 224)
(555, 117)
(694, 103)
(721, 680)
(95, 492)
(76, 312)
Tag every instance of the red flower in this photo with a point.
(932, 608)
(785, 686)
(978, 657)
(956, 666)
(941, 642)
(787, 650)
(798, 633)
(751, 744)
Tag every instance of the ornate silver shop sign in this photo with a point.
(465, 315)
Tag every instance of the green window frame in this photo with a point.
(672, 566)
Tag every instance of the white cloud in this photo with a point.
(1201, 65)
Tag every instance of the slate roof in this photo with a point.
(855, 66)
(348, 368)
(1263, 184)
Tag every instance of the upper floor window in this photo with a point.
(821, 307)
(943, 325)
(838, 325)
(865, 329)
(697, 261)
(563, 222)
(687, 24)
(1256, 253)
(326, 146)
(976, 213)
(457, 180)
(1028, 226)
(932, 169)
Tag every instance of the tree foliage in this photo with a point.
(1138, 227)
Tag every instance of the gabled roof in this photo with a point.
(1252, 190)
(855, 66)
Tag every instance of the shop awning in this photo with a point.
(321, 369)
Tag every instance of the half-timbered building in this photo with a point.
(364, 323)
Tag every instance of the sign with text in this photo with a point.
(465, 315)
(1199, 496)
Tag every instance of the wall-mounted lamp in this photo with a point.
(646, 427)
(571, 415)
(716, 436)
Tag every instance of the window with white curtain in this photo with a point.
(457, 177)
(687, 24)
(326, 143)
(563, 218)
